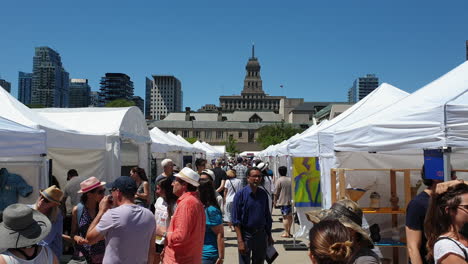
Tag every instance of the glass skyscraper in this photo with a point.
(80, 93)
(362, 86)
(115, 86)
(50, 80)
(24, 87)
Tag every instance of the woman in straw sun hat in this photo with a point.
(48, 204)
(92, 192)
(21, 231)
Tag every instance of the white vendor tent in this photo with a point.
(319, 142)
(162, 143)
(432, 117)
(124, 133)
(170, 146)
(216, 152)
(22, 152)
(210, 152)
(18, 140)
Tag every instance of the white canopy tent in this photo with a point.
(170, 146)
(432, 117)
(162, 143)
(125, 136)
(210, 153)
(18, 140)
(22, 152)
(216, 152)
(319, 142)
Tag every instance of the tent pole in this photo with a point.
(447, 166)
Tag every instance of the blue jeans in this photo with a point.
(209, 261)
(256, 246)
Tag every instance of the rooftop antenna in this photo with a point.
(253, 49)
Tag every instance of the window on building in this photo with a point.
(219, 134)
(240, 134)
(197, 134)
(207, 134)
(311, 117)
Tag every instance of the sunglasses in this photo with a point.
(100, 191)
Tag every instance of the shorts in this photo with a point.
(286, 209)
(159, 248)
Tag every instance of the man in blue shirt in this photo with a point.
(252, 219)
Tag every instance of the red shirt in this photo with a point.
(186, 231)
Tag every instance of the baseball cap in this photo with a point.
(124, 184)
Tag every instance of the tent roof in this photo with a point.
(19, 140)
(58, 136)
(428, 118)
(162, 143)
(125, 122)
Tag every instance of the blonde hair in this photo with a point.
(330, 242)
(231, 173)
(52, 213)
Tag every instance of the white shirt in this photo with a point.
(447, 246)
(232, 185)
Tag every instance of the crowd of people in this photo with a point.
(185, 221)
(183, 224)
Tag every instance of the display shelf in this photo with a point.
(382, 210)
(395, 209)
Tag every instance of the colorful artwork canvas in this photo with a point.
(306, 182)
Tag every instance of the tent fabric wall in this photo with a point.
(19, 140)
(112, 126)
(21, 150)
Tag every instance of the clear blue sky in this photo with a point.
(314, 48)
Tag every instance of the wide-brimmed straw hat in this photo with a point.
(22, 226)
(52, 194)
(188, 175)
(345, 211)
(90, 184)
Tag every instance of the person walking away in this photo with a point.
(70, 199)
(187, 228)
(92, 192)
(283, 199)
(446, 225)
(415, 215)
(252, 220)
(241, 170)
(142, 195)
(213, 245)
(48, 204)
(220, 179)
(127, 228)
(163, 210)
(21, 231)
(168, 170)
(232, 186)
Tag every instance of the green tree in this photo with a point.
(120, 103)
(274, 134)
(231, 145)
(35, 106)
(191, 140)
